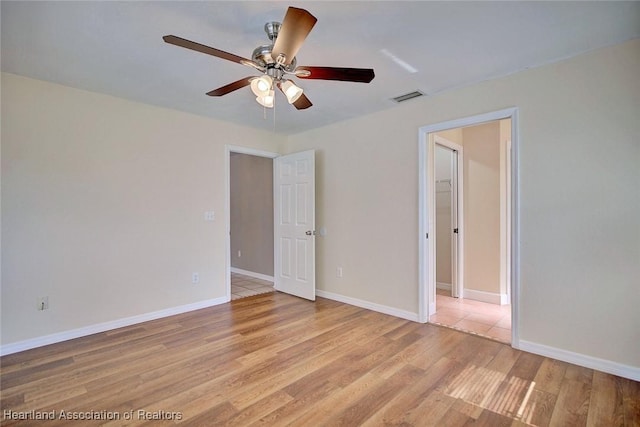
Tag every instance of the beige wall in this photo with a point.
(579, 200)
(252, 213)
(103, 205)
(482, 207)
(453, 135)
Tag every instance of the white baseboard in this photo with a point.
(403, 314)
(482, 296)
(252, 274)
(504, 299)
(614, 368)
(432, 309)
(106, 326)
(442, 285)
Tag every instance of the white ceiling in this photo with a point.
(116, 48)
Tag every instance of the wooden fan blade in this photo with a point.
(179, 41)
(360, 75)
(231, 87)
(296, 26)
(302, 103)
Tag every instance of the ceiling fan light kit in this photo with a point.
(277, 60)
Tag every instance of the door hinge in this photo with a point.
(455, 230)
(427, 236)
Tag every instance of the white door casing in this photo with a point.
(294, 228)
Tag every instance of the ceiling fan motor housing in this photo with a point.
(262, 54)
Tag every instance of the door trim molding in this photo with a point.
(228, 149)
(426, 274)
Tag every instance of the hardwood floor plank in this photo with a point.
(491, 419)
(432, 411)
(275, 360)
(217, 415)
(374, 354)
(572, 405)
(34, 373)
(410, 352)
(606, 406)
(255, 411)
(504, 360)
(299, 342)
(550, 375)
(527, 366)
(324, 410)
(361, 409)
(454, 418)
(631, 402)
(404, 406)
(302, 401)
(540, 409)
(58, 381)
(445, 341)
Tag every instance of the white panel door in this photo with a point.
(294, 187)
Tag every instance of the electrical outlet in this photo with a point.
(195, 278)
(209, 216)
(339, 272)
(42, 303)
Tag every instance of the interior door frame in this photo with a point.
(242, 150)
(426, 196)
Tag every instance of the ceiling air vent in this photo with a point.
(407, 96)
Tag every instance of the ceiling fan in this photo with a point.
(277, 61)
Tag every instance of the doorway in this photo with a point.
(468, 270)
(250, 248)
(291, 224)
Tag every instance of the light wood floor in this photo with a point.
(274, 360)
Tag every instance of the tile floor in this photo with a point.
(489, 320)
(245, 286)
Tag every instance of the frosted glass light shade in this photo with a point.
(291, 91)
(266, 100)
(261, 86)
